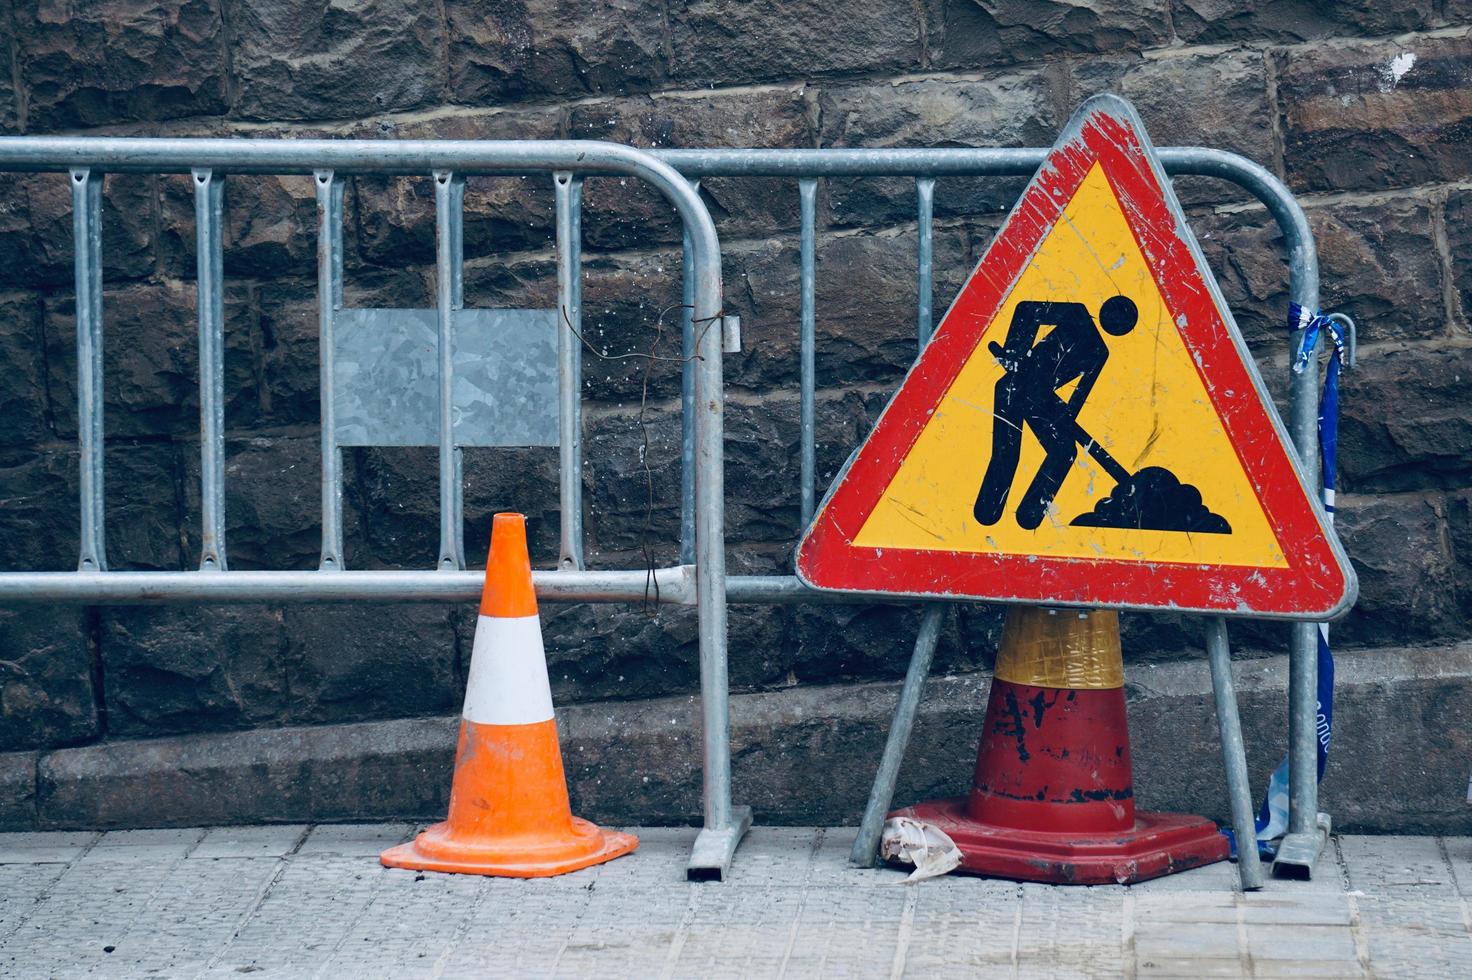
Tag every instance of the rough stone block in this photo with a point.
(801, 755)
(1192, 98)
(985, 33)
(273, 505)
(1458, 223)
(1015, 110)
(18, 790)
(1372, 115)
(623, 212)
(192, 668)
(394, 217)
(399, 493)
(150, 360)
(112, 61)
(23, 380)
(1218, 21)
(36, 249)
(1407, 579)
(9, 106)
(762, 466)
(38, 524)
(1459, 532)
(724, 43)
(865, 300)
(270, 226)
(506, 51)
(356, 662)
(143, 515)
(1377, 262)
(1404, 423)
(294, 59)
(46, 694)
(341, 772)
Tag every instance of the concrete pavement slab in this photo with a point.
(296, 901)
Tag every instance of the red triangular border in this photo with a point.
(1317, 583)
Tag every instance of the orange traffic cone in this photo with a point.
(509, 813)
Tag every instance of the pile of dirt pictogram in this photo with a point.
(1154, 500)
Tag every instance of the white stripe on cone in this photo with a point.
(508, 673)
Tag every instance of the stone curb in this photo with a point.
(804, 755)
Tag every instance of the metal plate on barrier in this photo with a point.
(385, 376)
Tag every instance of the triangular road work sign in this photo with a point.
(1086, 427)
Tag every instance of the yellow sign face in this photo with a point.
(1074, 399)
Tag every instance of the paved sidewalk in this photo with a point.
(296, 901)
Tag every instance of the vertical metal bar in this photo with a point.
(1234, 754)
(87, 246)
(1303, 661)
(710, 857)
(807, 194)
(449, 206)
(866, 844)
(925, 194)
(209, 206)
(710, 530)
(687, 396)
(329, 301)
(569, 193)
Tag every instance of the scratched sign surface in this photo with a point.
(1086, 427)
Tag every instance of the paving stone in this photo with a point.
(191, 915)
(44, 847)
(22, 887)
(354, 839)
(249, 842)
(146, 910)
(143, 845)
(325, 889)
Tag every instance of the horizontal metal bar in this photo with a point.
(979, 161)
(274, 156)
(412, 586)
(674, 585)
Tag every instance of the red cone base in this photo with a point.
(1159, 844)
(1053, 797)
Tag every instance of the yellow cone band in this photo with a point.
(1065, 648)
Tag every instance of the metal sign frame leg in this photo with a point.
(881, 794)
(1234, 754)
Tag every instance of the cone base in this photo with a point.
(503, 859)
(1159, 844)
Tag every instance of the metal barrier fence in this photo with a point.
(700, 580)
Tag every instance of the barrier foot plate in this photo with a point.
(1298, 852)
(710, 858)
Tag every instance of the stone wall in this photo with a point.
(1364, 108)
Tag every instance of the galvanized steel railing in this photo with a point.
(701, 579)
